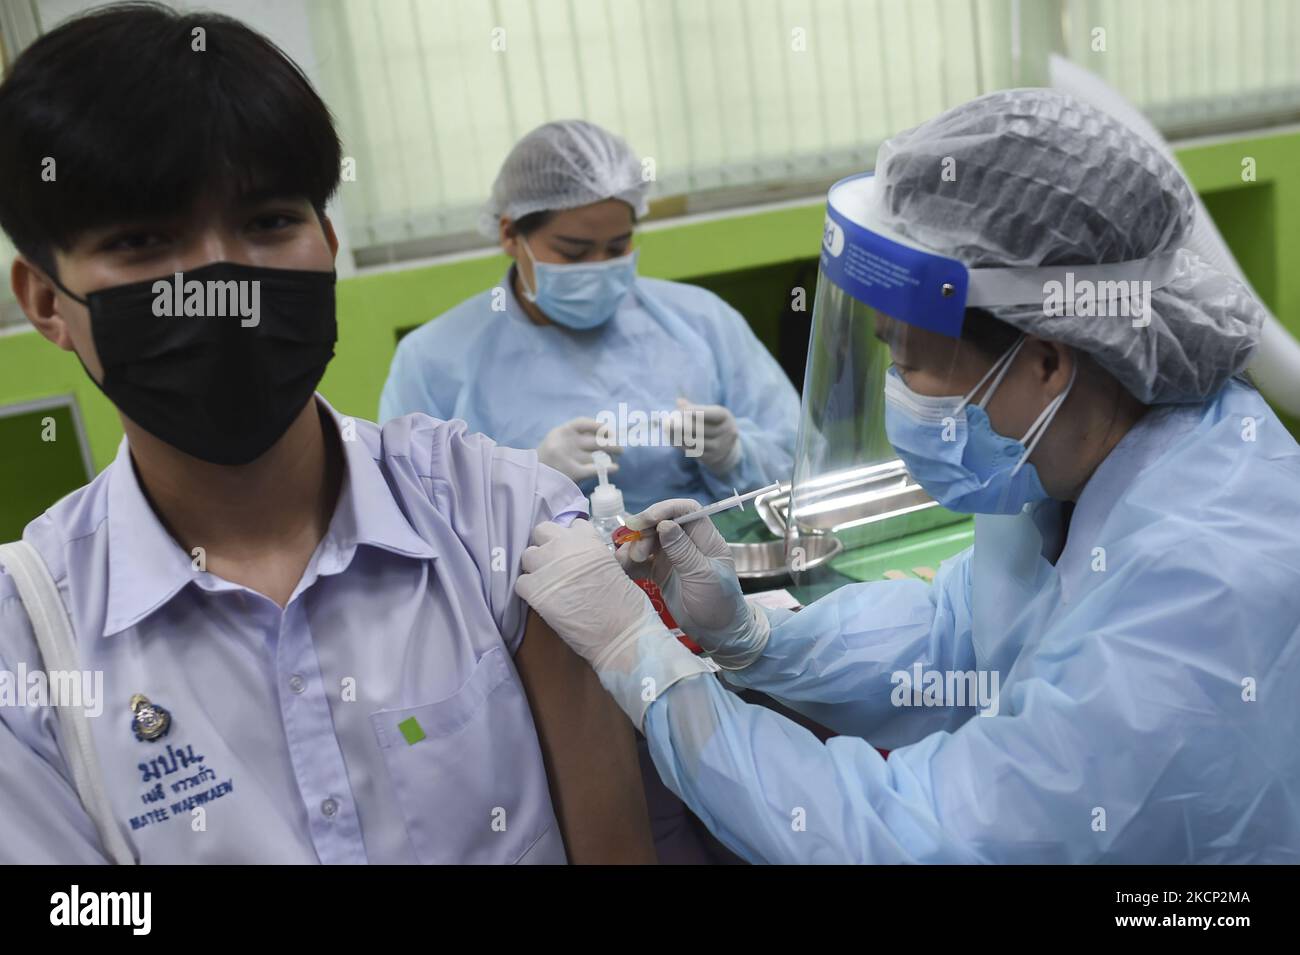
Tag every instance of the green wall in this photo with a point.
(42, 441)
(751, 260)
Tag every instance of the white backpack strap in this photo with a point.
(54, 637)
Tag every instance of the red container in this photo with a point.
(661, 607)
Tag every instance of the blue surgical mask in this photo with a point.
(582, 295)
(952, 451)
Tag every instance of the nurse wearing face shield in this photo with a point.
(1110, 673)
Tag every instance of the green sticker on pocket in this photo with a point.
(411, 730)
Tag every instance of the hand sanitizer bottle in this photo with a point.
(607, 513)
(607, 516)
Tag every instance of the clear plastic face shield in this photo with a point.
(894, 401)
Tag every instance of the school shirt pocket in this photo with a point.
(468, 770)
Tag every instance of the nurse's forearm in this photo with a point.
(772, 792)
(837, 661)
(589, 750)
(845, 645)
(742, 770)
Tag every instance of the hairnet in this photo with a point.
(1033, 177)
(563, 165)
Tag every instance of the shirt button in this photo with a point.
(328, 808)
(297, 683)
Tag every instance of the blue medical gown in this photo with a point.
(515, 381)
(1149, 704)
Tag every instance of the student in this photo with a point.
(310, 645)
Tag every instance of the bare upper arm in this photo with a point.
(590, 752)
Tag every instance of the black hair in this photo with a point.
(527, 225)
(990, 335)
(139, 124)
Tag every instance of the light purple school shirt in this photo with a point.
(377, 718)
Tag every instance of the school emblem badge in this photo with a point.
(149, 721)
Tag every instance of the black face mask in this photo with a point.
(221, 387)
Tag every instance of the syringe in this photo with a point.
(625, 535)
(736, 500)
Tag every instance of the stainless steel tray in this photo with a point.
(766, 560)
(860, 506)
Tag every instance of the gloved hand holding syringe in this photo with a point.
(693, 569)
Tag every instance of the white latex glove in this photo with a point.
(694, 568)
(572, 580)
(568, 448)
(717, 435)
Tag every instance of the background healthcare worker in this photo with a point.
(574, 334)
(1133, 593)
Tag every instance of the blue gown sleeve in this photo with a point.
(841, 661)
(1130, 733)
(407, 388)
(765, 405)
